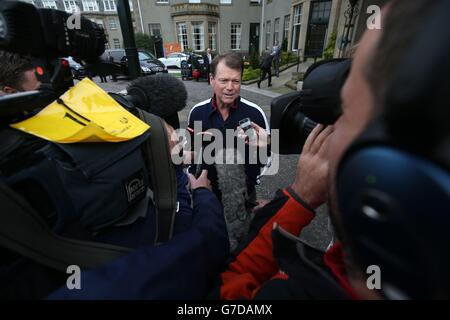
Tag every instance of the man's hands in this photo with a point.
(202, 181)
(312, 169)
(261, 138)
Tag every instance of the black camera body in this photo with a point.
(296, 114)
(47, 35)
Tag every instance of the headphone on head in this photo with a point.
(393, 183)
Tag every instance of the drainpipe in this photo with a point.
(140, 15)
(261, 29)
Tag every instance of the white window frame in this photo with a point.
(200, 46)
(296, 26)
(109, 5)
(287, 23)
(226, 1)
(90, 4)
(276, 31)
(268, 33)
(162, 1)
(116, 43)
(49, 4)
(112, 23)
(182, 35)
(195, 1)
(212, 35)
(70, 6)
(236, 31)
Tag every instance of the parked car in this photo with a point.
(148, 62)
(78, 71)
(174, 59)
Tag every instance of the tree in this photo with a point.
(254, 58)
(284, 45)
(329, 51)
(144, 41)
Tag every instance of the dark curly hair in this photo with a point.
(12, 69)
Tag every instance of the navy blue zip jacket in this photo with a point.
(206, 112)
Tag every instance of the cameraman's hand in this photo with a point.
(202, 181)
(312, 169)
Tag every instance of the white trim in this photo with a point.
(254, 105)
(262, 170)
(198, 105)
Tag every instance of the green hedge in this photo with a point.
(250, 74)
(288, 58)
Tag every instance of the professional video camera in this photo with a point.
(296, 114)
(45, 35)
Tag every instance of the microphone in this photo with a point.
(160, 94)
(231, 181)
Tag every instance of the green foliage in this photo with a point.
(250, 73)
(284, 45)
(288, 58)
(254, 58)
(329, 51)
(144, 41)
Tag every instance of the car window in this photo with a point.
(117, 55)
(146, 55)
(173, 55)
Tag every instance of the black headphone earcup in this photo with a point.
(389, 201)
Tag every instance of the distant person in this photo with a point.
(266, 69)
(276, 51)
(103, 79)
(207, 60)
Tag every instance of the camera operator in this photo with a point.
(397, 239)
(17, 73)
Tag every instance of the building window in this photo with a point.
(155, 29)
(112, 23)
(70, 6)
(276, 30)
(90, 5)
(212, 32)
(109, 5)
(198, 36)
(236, 36)
(225, 1)
(182, 35)
(286, 26)
(268, 29)
(321, 12)
(255, 2)
(50, 4)
(131, 4)
(116, 43)
(296, 27)
(194, 1)
(162, 1)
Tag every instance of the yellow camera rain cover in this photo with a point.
(85, 113)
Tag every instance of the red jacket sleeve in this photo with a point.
(255, 264)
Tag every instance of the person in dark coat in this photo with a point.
(265, 67)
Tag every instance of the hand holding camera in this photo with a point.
(311, 181)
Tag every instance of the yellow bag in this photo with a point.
(85, 113)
